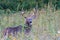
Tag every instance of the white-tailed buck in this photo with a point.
(27, 28)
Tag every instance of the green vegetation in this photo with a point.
(46, 24)
(27, 4)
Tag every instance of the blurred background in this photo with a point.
(45, 26)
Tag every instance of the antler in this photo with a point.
(35, 13)
(32, 15)
(22, 13)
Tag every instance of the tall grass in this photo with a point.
(45, 26)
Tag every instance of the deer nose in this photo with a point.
(30, 21)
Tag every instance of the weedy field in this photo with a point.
(45, 26)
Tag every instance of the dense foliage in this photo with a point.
(27, 4)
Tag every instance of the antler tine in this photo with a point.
(22, 13)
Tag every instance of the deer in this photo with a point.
(27, 28)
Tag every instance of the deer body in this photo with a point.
(27, 27)
(12, 30)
